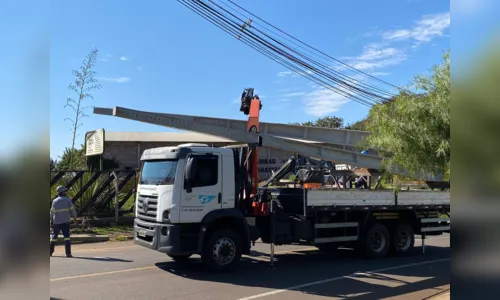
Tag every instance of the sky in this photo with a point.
(162, 57)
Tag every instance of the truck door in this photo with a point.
(205, 195)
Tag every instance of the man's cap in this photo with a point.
(61, 189)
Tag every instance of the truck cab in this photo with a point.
(181, 191)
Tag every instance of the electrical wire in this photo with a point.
(314, 62)
(276, 50)
(350, 79)
(315, 49)
(268, 53)
(237, 26)
(210, 10)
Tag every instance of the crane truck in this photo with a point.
(195, 199)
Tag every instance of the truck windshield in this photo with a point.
(159, 172)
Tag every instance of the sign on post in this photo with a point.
(94, 142)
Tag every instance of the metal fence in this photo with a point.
(93, 192)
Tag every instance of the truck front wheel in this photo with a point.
(222, 250)
(376, 242)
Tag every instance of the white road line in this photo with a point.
(104, 249)
(339, 278)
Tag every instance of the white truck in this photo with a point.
(195, 199)
(189, 201)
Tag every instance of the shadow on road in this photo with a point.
(304, 267)
(104, 259)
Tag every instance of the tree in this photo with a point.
(327, 122)
(359, 125)
(83, 85)
(72, 159)
(414, 129)
(53, 164)
(82, 162)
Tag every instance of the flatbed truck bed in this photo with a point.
(329, 219)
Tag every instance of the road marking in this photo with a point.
(144, 268)
(339, 278)
(99, 250)
(101, 274)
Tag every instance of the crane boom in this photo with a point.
(190, 123)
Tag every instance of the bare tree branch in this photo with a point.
(83, 85)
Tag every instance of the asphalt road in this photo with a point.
(122, 270)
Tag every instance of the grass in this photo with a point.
(112, 231)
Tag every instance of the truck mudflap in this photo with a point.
(163, 238)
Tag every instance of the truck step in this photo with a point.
(335, 225)
(336, 239)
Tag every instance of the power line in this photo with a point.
(313, 53)
(341, 81)
(311, 47)
(240, 29)
(236, 25)
(268, 53)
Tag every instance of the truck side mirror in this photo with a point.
(190, 173)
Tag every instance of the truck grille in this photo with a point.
(147, 207)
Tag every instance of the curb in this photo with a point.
(85, 239)
(128, 238)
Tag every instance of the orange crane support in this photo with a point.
(251, 106)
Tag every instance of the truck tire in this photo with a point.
(376, 241)
(180, 258)
(403, 239)
(222, 250)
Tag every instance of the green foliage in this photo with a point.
(414, 129)
(72, 191)
(327, 122)
(78, 157)
(92, 189)
(359, 125)
(82, 162)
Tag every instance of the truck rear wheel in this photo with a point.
(403, 239)
(376, 242)
(222, 250)
(180, 258)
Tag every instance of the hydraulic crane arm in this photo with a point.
(251, 106)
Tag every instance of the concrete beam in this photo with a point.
(191, 123)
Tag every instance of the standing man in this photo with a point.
(60, 216)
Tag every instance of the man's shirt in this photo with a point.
(62, 210)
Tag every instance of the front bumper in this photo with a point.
(165, 238)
